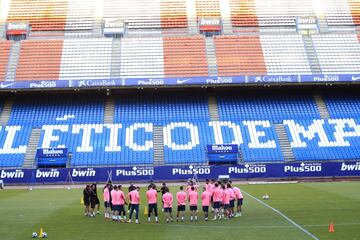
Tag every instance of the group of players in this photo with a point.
(216, 197)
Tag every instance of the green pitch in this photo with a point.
(311, 205)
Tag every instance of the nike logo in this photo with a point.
(5, 85)
(182, 81)
(355, 78)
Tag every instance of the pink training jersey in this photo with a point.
(151, 196)
(208, 187)
(205, 198)
(134, 197)
(232, 194)
(238, 193)
(226, 196)
(217, 195)
(193, 198)
(168, 200)
(181, 198)
(121, 195)
(114, 197)
(106, 195)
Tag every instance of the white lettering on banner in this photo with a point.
(86, 137)
(191, 170)
(317, 127)
(114, 135)
(309, 167)
(129, 141)
(256, 134)
(135, 172)
(247, 169)
(194, 136)
(216, 126)
(16, 26)
(83, 173)
(47, 174)
(209, 21)
(50, 137)
(340, 134)
(350, 167)
(12, 174)
(9, 141)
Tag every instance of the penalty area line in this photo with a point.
(283, 215)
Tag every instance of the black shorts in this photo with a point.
(92, 204)
(205, 208)
(226, 206)
(121, 208)
(116, 208)
(193, 208)
(240, 202)
(86, 203)
(169, 209)
(181, 208)
(232, 203)
(217, 205)
(97, 201)
(152, 207)
(106, 204)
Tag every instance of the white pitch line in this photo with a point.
(284, 216)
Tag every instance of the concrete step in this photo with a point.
(13, 61)
(5, 113)
(284, 142)
(109, 110)
(158, 145)
(213, 108)
(321, 106)
(30, 154)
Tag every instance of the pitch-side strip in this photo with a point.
(283, 215)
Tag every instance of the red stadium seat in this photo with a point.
(4, 57)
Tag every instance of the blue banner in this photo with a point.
(178, 173)
(206, 80)
(222, 148)
(51, 153)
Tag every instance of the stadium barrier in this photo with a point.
(128, 82)
(179, 173)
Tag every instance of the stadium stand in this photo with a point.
(53, 15)
(39, 60)
(343, 106)
(4, 57)
(86, 59)
(338, 53)
(267, 106)
(13, 152)
(54, 110)
(284, 54)
(239, 55)
(160, 109)
(184, 57)
(207, 8)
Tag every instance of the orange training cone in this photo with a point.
(331, 227)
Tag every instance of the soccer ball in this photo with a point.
(266, 197)
(34, 235)
(44, 235)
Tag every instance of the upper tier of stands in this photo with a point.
(4, 58)
(159, 57)
(246, 119)
(83, 15)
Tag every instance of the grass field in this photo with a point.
(311, 205)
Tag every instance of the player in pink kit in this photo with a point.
(181, 203)
(122, 202)
(239, 198)
(151, 196)
(232, 200)
(106, 198)
(193, 201)
(168, 202)
(116, 203)
(205, 201)
(134, 197)
(226, 201)
(217, 198)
